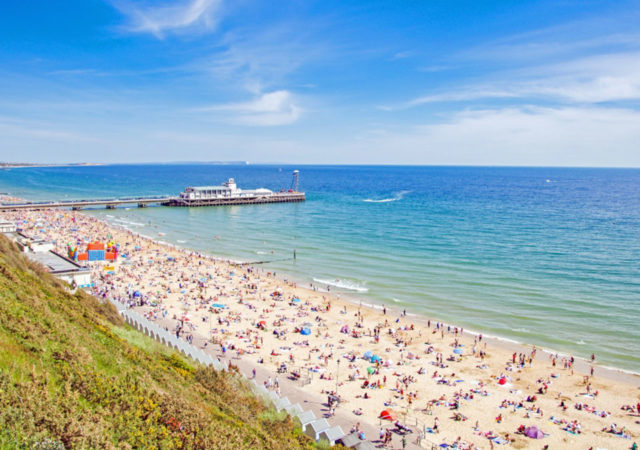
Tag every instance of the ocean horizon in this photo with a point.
(544, 256)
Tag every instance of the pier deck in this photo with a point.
(146, 201)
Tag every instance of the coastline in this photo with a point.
(498, 350)
(582, 365)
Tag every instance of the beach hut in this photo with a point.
(283, 403)
(294, 410)
(388, 414)
(350, 440)
(331, 435)
(316, 427)
(305, 418)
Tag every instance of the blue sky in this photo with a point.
(401, 82)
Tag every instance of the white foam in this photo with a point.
(181, 241)
(369, 305)
(343, 284)
(395, 198)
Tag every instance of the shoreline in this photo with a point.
(583, 364)
(402, 340)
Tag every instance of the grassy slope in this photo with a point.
(73, 375)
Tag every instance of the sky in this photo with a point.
(531, 83)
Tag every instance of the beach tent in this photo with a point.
(306, 331)
(533, 432)
(296, 300)
(388, 414)
(136, 294)
(218, 305)
(457, 351)
(367, 355)
(371, 370)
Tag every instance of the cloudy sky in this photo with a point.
(391, 82)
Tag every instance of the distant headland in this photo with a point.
(11, 165)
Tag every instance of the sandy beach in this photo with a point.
(465, 389)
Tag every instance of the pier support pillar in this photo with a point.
(111, 206)
(142, 205)
(76, 208)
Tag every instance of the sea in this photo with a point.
(545, 256)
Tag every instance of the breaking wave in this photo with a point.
(395, 198)
(343, 284)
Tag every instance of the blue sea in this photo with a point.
(547, 256)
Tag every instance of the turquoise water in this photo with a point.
(540, 255)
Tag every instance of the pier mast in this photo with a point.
(294, 182)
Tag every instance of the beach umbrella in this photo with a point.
(533, 432)
(136, 294)
(388, 414)
(367, 355)
(296, 300)
(371, 370)
(305, 331)
(457, 351)
(502, 381)
(376, 358)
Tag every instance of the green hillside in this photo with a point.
(73, 375)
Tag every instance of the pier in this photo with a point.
(109, 203)
(143, 202)
(224, 195)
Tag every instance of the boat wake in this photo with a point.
(398, 196)
(343, 284)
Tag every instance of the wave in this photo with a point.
(343, 284)
(179, 241)
(128, 222)
(520, 330)
(260, 252)
(398, 196)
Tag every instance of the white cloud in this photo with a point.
(157, 20)
(269, 109)
(592, 79)
(564, 136)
